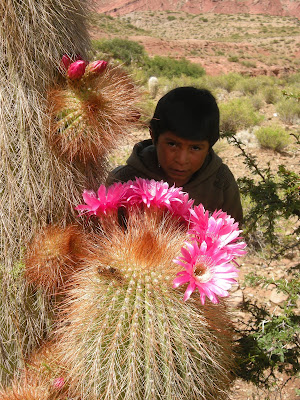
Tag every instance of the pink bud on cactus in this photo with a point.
(65, 62)
(58, 383)
(97, 66)
(77, 69)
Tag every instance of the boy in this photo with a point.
(184, 127)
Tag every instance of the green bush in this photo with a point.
(273, 137)
(124, 50)
(272, 198)
(288, 110)
(170, 67)
(257, 101)
(271, 344)
(233, 59)
(249, 64)
(228, 81)
(248, 85)
(271, 94)
(238, 114)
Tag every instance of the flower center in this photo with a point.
(202, 272)
(200, 269)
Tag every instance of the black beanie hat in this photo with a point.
(189, 113)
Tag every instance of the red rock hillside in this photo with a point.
(270, 7)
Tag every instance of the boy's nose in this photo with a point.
(181, 157)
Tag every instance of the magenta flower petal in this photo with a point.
(65, 62)
(106, 200)
(191, 287)
(58, 383)
(182, 277)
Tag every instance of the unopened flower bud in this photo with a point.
(97, 66)
(65, 62)
(58, 383)
(77, 69)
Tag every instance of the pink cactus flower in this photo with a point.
(158, 194)
(97, 67)
(106, 200)
(76, 70)
(219, 228)
(207, 269)
(58, 383)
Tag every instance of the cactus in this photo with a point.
(53, 256)
(125, 333)
(39, 184)
(40, 379)
(35, 186)
(89, 115)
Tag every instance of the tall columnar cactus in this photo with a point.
(35, 186)
(40, 178)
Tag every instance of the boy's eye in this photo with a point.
(196, 148)
(171, 144)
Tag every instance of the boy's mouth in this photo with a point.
(178, 172)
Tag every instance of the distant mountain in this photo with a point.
(268, 7)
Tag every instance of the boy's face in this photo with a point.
(180, 158)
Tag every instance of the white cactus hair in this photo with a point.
(36, 187)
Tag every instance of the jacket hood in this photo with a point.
(144, 159)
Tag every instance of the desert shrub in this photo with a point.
(209, 82)
(288, 110)
(228, 81)
(248, 85)
(204, 82)
(257, 101)
(147, 108)
(273, 137)
(238, 114)
(271, 343)
(293, 79)
(271, 94)
(170, 67)
(124, 50)
(272, 197)
(233, 59)
(171, 18)
(249, 64)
